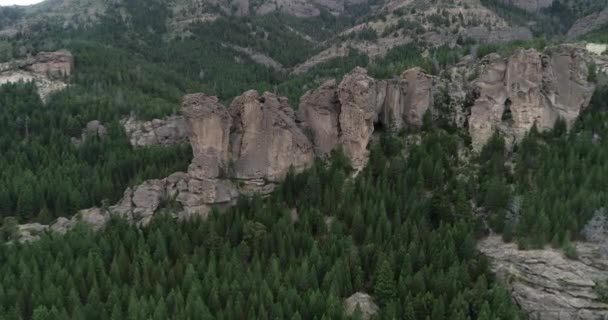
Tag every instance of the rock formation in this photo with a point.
(46, 70)
(93, 128)
(547, 285)
(526, 89)
(158, 132)
(265, 140)
(364, 302)
(54, 63)
(319, 114)
(250, 146)
(357, 94)
(348, 113)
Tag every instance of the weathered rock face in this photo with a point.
(364, 302)
(54, 63)
(347, 113)
(547, 285)
(529, 88)
(357, 94)
(265, 140)
(250, 146)
(319, 114)
(208, 128)
(256, 145)
(43, 70)
(158, 132)
(403, 102)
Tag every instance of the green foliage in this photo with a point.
(592, 77)
(601, 289)
(386, 232)
(558, 175)
(45, 176)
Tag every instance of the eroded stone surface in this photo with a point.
(364, 302)
(546, 284)
(526, 89)
(46, 70)
(157, 132)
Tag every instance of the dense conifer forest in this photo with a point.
(404, 229)
(401, 230)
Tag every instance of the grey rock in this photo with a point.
(62, 225)
(265, 141)
(547, 285)
(526, 89)
(158, 132)
(364, 302)
(318, 113)
(94, 217)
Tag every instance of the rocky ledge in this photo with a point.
(46, 70)
(547, 285)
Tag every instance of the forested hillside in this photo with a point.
(403, 230)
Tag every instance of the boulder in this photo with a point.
(547, 285)
(62, 225)
(364, 302)
(94, 217)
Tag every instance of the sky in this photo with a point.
(18, 2)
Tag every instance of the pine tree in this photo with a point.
(384, 283)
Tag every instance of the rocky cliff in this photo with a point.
(47, 70)
(547, 285)
(251, 145)
(529, 88)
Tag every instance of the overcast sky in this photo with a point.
(18, 2)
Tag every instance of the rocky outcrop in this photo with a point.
(404, 101)
(547, 285)
(52, 63)
(46, 70)
(348, 113)
(526, 89)
(319, 114)
(93, 128)
(364, 302)
(158, 132)
(245, 148)
(250, 146)
(265, 140)
(357, 94)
